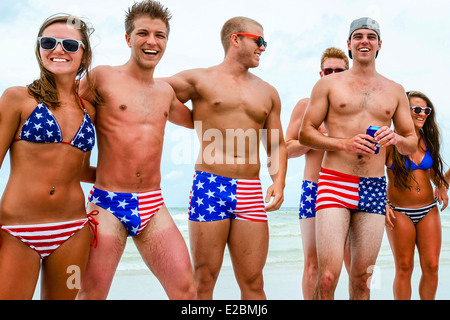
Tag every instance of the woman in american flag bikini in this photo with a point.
(43, 220)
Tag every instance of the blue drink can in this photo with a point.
(371, 132)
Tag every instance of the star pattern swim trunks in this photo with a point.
(134, 210)
(308, 195)
(358, 194)
(215, 198)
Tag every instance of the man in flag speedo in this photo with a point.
(232, 109)
(131, 118)
(352, 186)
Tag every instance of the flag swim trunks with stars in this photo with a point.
(216, 198)
(134, 210)
(308, 195)
(358, 194)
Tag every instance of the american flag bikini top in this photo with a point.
(42, 127)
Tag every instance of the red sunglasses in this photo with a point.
(259, 40)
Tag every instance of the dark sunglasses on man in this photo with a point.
(259, 40)
(328, 71)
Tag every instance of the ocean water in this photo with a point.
(284, 266)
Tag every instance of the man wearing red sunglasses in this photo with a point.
(228, 98)
(351, 193)
(333, 60)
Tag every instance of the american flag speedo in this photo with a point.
(134, 210)
(358, 194)
(215, 198)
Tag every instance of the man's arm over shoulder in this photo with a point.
(179, 114)
(184, 84)
(89, 90)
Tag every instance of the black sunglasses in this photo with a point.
(328, 71)
(418, 110)
(69, 45)
(259, 40)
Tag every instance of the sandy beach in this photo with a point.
(283, 269)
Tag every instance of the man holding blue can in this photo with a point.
(352, 187)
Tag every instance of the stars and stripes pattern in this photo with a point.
(134, 210)
(357, 194)
(308, 195)
(45, 238)
(215, 198)
(42, 127)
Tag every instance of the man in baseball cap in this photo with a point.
(348, 103)
(364, 23)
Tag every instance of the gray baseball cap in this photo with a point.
(365, 23)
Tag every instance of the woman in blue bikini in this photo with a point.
(49, 133)
(412, 214)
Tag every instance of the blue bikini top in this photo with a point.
(427, 163)
(42, 127)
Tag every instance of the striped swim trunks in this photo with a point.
(134, 210)
(358, 194)
(216, 198)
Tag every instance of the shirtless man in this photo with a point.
(333, 60)
(230, 105)
(352, 186)
(130, 128)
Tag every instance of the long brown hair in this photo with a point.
(431, 136)
(44, 89)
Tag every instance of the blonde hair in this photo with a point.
(333, 52)
(235, 25)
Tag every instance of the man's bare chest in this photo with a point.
(235, 100)
(130, 104)
(374, 100)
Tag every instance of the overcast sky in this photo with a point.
(414, 53)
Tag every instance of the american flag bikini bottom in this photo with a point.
(216, 198)
(358, 194)
(134, 210)
(46, 238)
